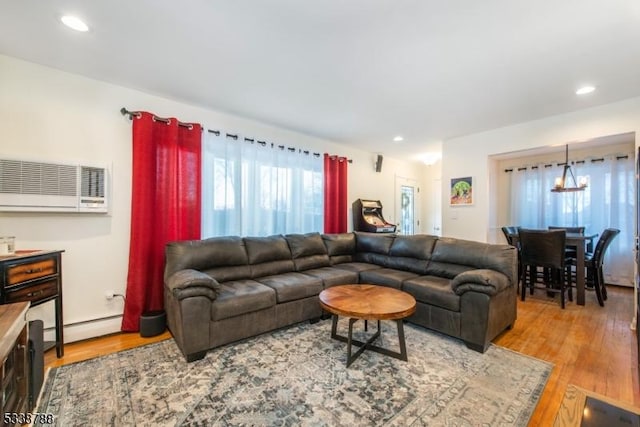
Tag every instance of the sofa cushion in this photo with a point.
(386, 277)
(340, 247)
(373, 248)
(305, 244)
(292, 286)
(332, 276)
(452, 256)
(446, 269)
(268, 256)
(417, 246)
(240, 297)
(378, 243)
(448, 259)
(339, 259)
(357, 266)
(411, 253)
(230, 273)
(206, 255)
(433, 290)
(308, 251)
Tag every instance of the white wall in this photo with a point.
(49, 115)
(432, 199)
(469, 155)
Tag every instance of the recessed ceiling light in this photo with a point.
(398, 139)
(75, 23)
(585, 90)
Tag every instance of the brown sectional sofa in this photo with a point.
(225, 289)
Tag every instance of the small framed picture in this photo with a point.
(461, 191)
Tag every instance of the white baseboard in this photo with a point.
(85, 330)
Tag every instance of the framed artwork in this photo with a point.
(461, 191)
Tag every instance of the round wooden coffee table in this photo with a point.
(368, 302)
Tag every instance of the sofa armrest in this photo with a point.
(192, 283)
(486, 281)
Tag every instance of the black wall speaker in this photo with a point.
(379, 163)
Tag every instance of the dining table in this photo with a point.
(579, 241)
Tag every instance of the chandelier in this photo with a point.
(561, 185)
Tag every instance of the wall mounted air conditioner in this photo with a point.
(27, 186)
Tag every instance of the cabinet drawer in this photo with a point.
(33, 293)
(33, 270)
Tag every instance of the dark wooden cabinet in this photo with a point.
(36, 277)
(14, 385)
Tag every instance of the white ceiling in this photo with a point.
(357, 72)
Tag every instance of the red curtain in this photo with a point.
(335, 194)
(165, 206)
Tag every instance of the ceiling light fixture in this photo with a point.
(74, 23)
(398, 139)
(429, 158)
(585, 90)
(560, 184)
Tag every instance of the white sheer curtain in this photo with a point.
(608, 201)
(257, 189)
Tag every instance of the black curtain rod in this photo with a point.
(137, 115)
(335, 157)
(131, 114)
(548, 165)
(263, 143)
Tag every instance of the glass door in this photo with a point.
(407, 209)
(407, 196)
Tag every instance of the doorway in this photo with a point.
(407, 202)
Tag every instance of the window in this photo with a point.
(258, 189)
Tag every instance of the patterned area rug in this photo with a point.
(297, 377)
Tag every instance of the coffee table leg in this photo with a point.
(334, 326)
(403, 345)
(349, 340)
(401, 355)
(363, 346)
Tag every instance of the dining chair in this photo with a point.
(577, 230)
(543, 249)
(509, 232)
(571, 252)
(594, 264)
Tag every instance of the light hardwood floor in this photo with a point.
(592, 347)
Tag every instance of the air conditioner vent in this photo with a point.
(9, 169)
(49, 187)
(46, 179)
